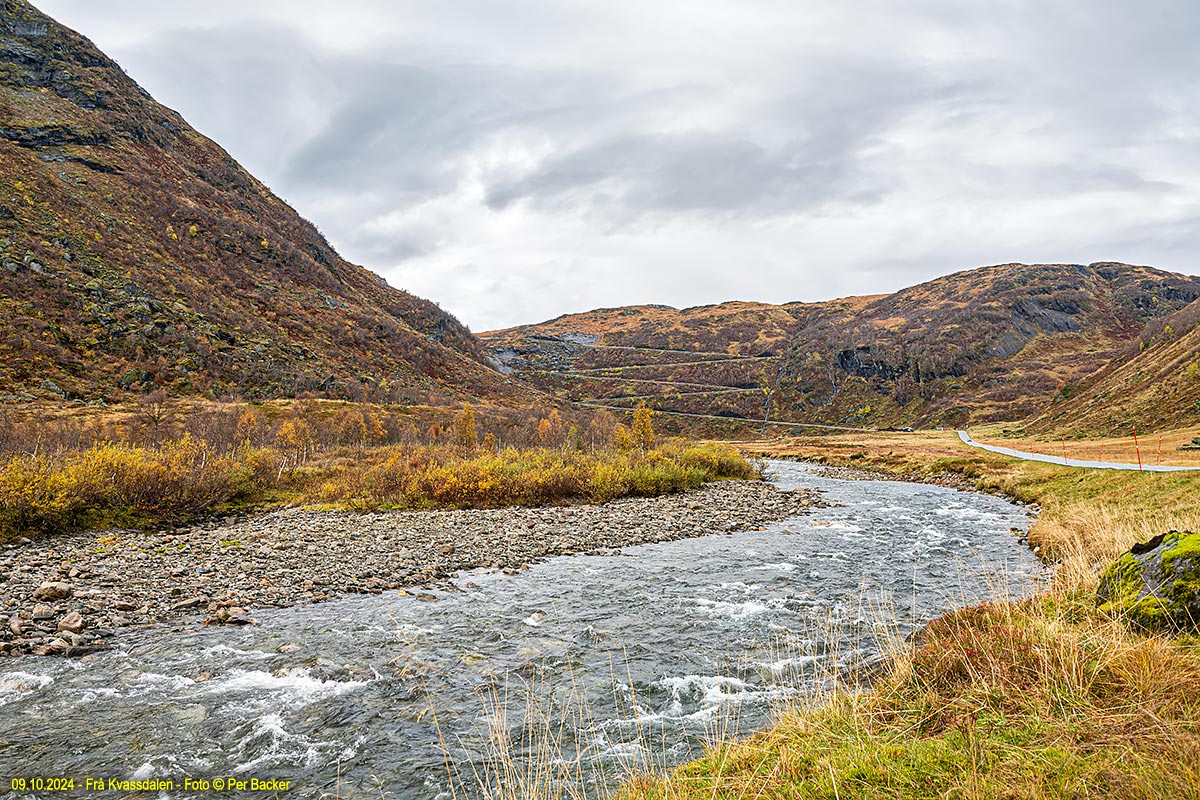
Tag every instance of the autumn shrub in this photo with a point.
(116, 483)
(429, 477)
(716, 461)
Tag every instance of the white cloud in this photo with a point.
(517, 160)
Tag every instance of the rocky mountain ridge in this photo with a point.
(135, 253)
(1005, 342)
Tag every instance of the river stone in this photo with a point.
(72, 622)
(53, 590)
(1156, 584)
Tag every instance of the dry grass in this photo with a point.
(999, 701)
(1041, 698)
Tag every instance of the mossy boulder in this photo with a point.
(1156, 585)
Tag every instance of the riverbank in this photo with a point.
(1039, 698)
(71, 593)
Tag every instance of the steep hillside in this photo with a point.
(995, 343)
(136, 253)
(1154, 384)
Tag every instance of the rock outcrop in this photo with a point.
(1156, 585)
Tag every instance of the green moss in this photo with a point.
(1122, 582)
(1123, 585)
(1180, 544)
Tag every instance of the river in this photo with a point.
(628, 661)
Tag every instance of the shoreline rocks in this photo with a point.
(68, 593)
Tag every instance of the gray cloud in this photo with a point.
(517, 160)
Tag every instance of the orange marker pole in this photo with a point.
(1137, 447)
(1065, 461)
(1159, 461)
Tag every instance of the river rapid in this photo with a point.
(628, 661)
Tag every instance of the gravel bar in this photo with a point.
(68, 594)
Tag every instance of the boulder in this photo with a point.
(72, 622)
(53, 590)
(1156, 585)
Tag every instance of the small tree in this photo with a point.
(248, 428)
(295, 439)
(622, 437)
(464, 428)
(643, 426)
(155, 413)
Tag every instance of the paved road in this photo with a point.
(1068, 462)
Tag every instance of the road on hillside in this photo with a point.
(737, 419)
(1062, 461)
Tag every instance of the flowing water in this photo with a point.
(628, 660)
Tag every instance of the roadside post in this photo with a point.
(1136, 447)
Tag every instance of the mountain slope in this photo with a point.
(135, 252)
(994, 343)
(1155, 384)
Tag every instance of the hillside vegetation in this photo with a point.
(168, 463)
(996, 343)
(137, 254)
(1156, 382)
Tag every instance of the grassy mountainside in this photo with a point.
(1155, 383)
(135, 252)
(993, 343)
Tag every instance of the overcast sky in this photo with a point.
(519, 160)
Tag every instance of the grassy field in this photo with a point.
(1041, 698)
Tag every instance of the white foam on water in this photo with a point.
(156, 680)
(711, 689)
(738, 611)
(782, 566)
(89, 696)
(14, 685)
(274, 745)
(226, 650)
(408, 629)
(785, 664)
(624, 751)
(296, 685)
(150, 769)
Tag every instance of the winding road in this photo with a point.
(1069, 462)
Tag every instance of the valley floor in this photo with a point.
(1040, 698)
(95, 583)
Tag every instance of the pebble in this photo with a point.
(295, 556)
(73, 622)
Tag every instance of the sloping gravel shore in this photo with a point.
(67, 594)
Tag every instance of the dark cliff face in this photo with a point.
(135, 252)
(1005, 338)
